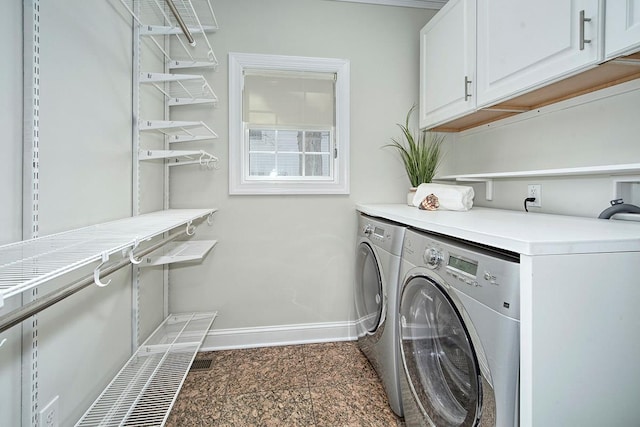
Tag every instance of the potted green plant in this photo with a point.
(420, 154)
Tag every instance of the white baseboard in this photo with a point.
(225, 339)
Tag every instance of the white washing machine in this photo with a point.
(378, 249)
(460, 333)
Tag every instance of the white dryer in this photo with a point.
(459, 329)
(378, 248)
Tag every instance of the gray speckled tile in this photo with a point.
(195, 411)
(358, 404)
(336, 363)
(254, 378)
(265, 369)
(329, 384)
(290, 408)
(213, 382)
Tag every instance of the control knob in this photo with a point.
(367, 230)
(432, 257)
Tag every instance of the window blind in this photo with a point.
(289, 99)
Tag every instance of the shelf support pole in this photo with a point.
(31, 190)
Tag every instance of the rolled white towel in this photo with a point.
(450, 197)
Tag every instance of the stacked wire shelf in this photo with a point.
(145, 389)
(178, 29)
(184, 89)
(157, 19)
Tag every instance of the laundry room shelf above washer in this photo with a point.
(488, 178)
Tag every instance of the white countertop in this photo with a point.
(521, 232)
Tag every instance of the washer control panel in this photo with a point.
(463, 268)
(383, 234)
(489, 276)
(375, 232)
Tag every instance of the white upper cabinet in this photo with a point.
(447, 63)
(524, 44)
(622, 27)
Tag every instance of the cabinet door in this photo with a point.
(622, 27)
(447, 63)
(525, 44)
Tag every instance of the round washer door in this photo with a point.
(437, 355)
(368, 292)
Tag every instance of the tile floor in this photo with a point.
(315, 385)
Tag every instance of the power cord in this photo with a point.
(528, 200)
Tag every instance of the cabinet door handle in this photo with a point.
(582, 21)
(467, 82)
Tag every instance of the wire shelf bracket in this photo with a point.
(145, 389)
(178, 64)
(159, 30)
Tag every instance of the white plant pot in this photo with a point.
(412, 192)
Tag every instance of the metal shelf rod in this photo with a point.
(17, 316)
(180, 21)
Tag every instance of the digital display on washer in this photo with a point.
(464, 265)
(378, 232)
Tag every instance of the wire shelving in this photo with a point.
(30, 263)
(183, 89)
(196, 18)
(145, 389)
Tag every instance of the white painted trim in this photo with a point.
(422, 4)
(270, 336)
(237, 184)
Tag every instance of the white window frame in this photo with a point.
(239, 183)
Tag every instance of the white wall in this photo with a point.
(595, 133)
(85, 178)
(11, 189)
(288, 260)
(11, 122)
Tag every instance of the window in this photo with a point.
(288, 125)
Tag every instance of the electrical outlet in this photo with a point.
(49, 414)
(535, 190)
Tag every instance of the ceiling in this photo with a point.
(423, 4)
